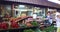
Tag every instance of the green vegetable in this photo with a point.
(49, 29)
(28, 30)
(34, 23)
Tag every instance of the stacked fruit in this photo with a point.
(13, 23)
(3, 25)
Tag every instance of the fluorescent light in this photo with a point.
(21, 5)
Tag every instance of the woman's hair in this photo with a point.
(48, 12)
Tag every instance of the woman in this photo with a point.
(58, 21)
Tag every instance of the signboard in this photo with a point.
(52, 9)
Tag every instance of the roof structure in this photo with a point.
(38, 2)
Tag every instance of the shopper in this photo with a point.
(49, 18)
(58, 21)
(7, 15)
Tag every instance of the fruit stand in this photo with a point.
(17, 25)
(22, 25)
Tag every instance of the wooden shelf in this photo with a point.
(22, 19)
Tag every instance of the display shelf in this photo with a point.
(18, 29)
(22, 19)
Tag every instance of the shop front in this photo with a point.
(26, 14)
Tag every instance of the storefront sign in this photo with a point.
(52, 9)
